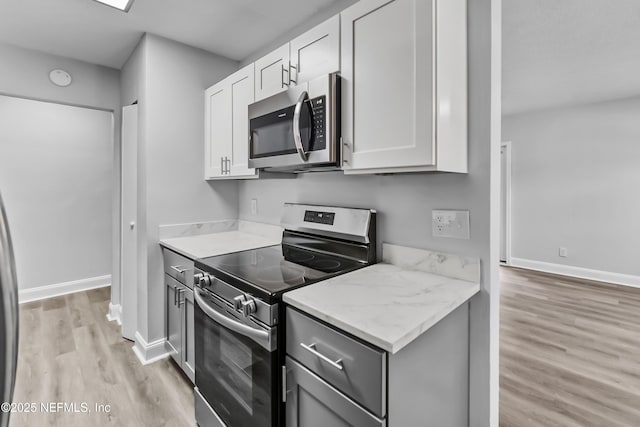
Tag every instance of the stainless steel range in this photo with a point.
(239, 320)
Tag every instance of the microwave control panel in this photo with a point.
(318, 114)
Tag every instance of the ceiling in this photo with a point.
(555, 52)
(562, 52)
(91, 32)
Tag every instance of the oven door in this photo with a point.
(236, 364)
(295, 128)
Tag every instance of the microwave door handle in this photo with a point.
(296, 126)
(261, 337)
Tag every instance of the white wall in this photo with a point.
(404, 203)
(168, 79)
(575, 177)
(55, 178)
(25, 73)
(177, 76)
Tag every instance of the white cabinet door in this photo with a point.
(241, 87)
(174, 319)
(272, 73)
(316, 52)
(217, 146)
(227, 126)
(387, 87)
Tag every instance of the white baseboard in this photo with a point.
(149, 352)
(582, 273)
(115, 313)
(48, 291)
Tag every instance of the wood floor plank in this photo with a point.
(70, 353)
(99, 294)
(79, 309)
(569, 352)
(56, 332)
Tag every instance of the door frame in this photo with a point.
(128, 321)
(507, 147)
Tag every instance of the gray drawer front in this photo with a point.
(178, 267)
(313, 402)
(363, 374)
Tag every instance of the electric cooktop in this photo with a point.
(270, 271)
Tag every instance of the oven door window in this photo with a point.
(234, 374)
(272, 134)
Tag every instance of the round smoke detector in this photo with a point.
(60, 78)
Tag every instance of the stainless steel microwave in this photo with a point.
(297, 130)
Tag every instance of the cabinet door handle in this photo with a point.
(178, 269)
(345, 147)
(221, 165)
(228, 161)
(175, 295)
(311, 348)
(285, 82)
(291, 79)
(284, 383)
(180, 299)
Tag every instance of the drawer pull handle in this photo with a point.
(178, 269)
(311, 348)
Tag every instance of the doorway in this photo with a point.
(505, 203)
(56, 175)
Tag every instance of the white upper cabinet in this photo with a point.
(227, 126)
(217, 130)
(241, 85)
(310, 55)
(272, 73)
(404, 86)
(316, 52)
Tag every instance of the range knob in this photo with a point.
(238, 301)
(248, 306)
(197, 277)
(205, 280)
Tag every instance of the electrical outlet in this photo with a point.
(254, 206)
(450, 223)
(563, 252)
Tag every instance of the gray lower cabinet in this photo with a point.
(334, 379)
(179, 325)
(311, 402)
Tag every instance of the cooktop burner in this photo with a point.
(270, 271)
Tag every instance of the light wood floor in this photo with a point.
(70, 353)
(569, 352)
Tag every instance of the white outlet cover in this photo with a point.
(254, 206)
(450, 223)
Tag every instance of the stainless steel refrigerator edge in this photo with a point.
(9, 317)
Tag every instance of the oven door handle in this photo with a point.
(261, 337)
(296, 126)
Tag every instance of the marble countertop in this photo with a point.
(392, 303)
(247, 236)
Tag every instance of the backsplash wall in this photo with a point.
(403, 203)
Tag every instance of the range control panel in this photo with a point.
(319, 217)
